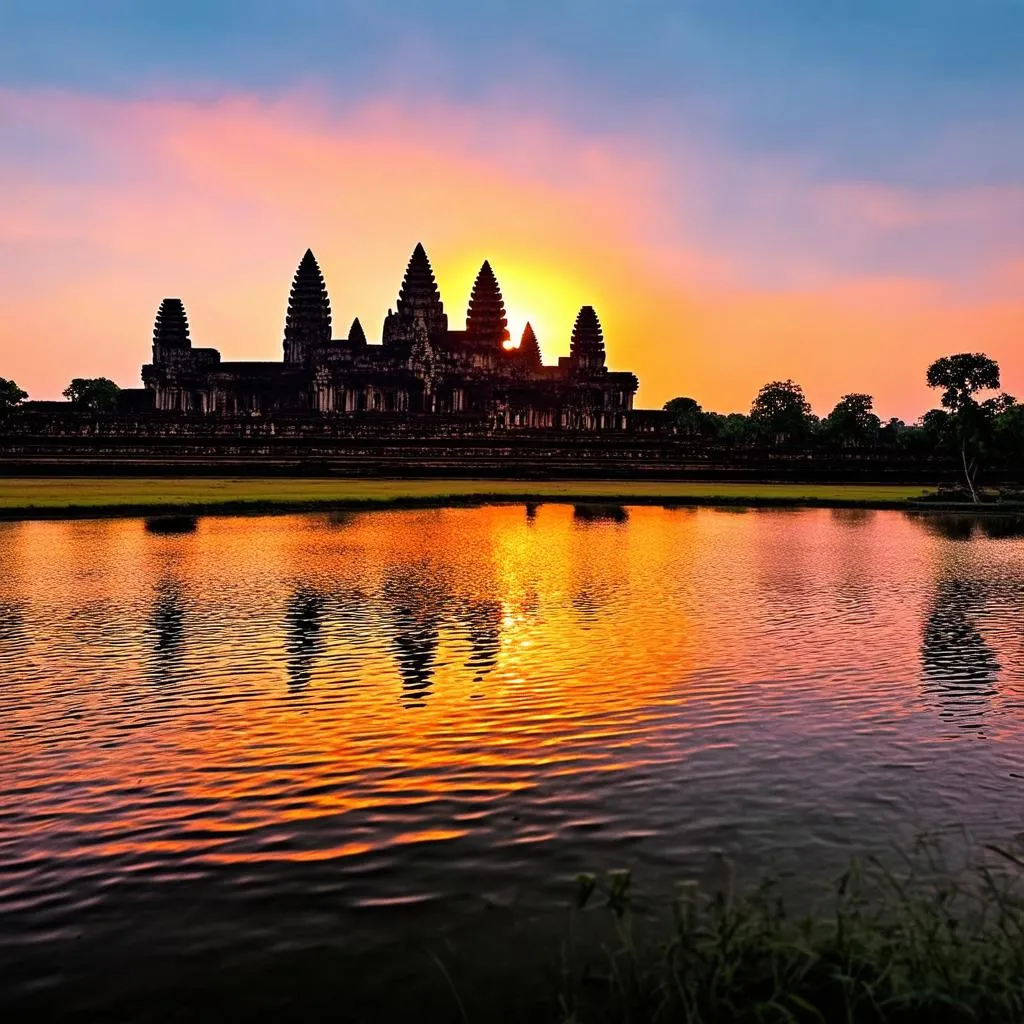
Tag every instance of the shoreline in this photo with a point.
(41, 498)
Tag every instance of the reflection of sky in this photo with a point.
(530, 693)
(825, 191)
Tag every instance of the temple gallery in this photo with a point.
(421, 367)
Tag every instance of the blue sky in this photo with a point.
(867, 88)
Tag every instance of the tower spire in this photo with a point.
(170, 330)
(418, 296)
(529, 349)
(308, 323)
(419, 291)
(486, 325)
(587, 347)
(356, 334)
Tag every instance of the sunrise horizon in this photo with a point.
(725, 228)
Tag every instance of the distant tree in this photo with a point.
(852, 421)
(781, 412)
(686, 415)
(736, 428)
(10, 395)
(960, 377)
(733, 428)
(96, 394)
(1008, 431)
(892, 432)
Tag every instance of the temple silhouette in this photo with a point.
(421, 367)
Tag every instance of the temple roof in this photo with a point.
(356, 334)
(171, 327)
(587, 344)
(309, 308)
(529, 349)
(419, 289)
(485, 322)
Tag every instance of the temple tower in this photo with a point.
(486, 325)
(356, 334)
(586, 351)
(308, 323)
(418, 296)
(528, 352)
(170, 332)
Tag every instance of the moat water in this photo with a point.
(235, 742)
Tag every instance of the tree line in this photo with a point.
(977, 431)
(989, 430)
(87, 394)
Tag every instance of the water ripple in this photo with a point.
(403, 710)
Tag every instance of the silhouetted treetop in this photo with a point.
(10, 394)
(781, 411)
(960, 376)
(853, 421)
(687, 415)
(95, 394)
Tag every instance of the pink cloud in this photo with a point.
(216, 201)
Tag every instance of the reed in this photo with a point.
(922, 944)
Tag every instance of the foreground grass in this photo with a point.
(29, 496)
(916, 946)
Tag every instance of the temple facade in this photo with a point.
(421, 366)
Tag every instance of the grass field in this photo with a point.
(47, 496)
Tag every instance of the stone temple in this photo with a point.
(421, 368)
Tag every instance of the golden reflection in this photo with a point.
(360, 668)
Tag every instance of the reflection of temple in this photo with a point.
(415, 643)
(303, 619)
(483, 621)
(167, 617)
(421, 367)
(599, 513)
(960, 669)
(167, 622)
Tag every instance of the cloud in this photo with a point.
(712, 274)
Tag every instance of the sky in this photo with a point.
(746, 190)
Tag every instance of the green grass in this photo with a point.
(31, 496)
(921, 945)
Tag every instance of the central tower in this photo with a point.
(418, 298)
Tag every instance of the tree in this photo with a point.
(961, 377)
(781, 412)
(852, 421)
(10, 395)
(96, 394)
(892, 432)
(1009, 434)
(686, 414)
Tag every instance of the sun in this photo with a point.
(516, 320)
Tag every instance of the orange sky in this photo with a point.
(215, 201)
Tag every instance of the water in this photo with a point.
(237, 740)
